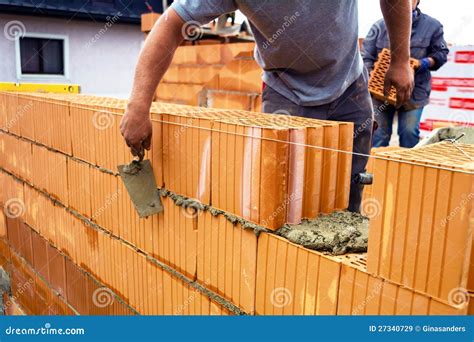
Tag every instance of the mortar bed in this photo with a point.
(338, 233)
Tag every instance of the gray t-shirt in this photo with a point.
(308, 49)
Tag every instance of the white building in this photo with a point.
(94, 44)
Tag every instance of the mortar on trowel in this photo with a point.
(140, 183)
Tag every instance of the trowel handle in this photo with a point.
(139, 155)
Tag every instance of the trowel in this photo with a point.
(141, 186)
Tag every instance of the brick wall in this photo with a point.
(68, 225)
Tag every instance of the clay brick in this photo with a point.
(441, 309)
(25, 116)
(57, 173)
(42, 119)
(187, 156)
(313, 173)
(314, 289)
(25, 247)
(156, 154)
(229, 100)
(82, 133)
(190, 74)
(242, 74)
(12, 115)
(262, 172)
(76, 288)
(227, 260)
(181, 93)
(13, 308)
(410, 240)
(361, 293)
(296, 174)
(329, 181)
(40, 255)
(148, 20)
(3, 223)
(23, 285)
(208, 54)
(40, 165)
(177, 238)
(79, 187)
(377, 76)
(344, 165)
(185, 55)
(57, 270)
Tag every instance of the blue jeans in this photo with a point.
(408, 125)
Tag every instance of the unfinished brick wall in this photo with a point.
(68, 222)
(421, 236)
(377, 77)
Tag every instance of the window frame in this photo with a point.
(64, 38)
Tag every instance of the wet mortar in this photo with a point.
(195, 204)
(337, 233)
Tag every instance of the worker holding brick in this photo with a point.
(309, 54)
(429, 47)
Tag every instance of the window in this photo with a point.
(41, 56)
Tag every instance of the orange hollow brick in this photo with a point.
(412, 240)
(226, 259)
(377, 76)
(297, 281)
(344, 165)
(229, 100)
(313, 173)
(148, 20)
(296, 175)
(11, 113)
(25, 116)
(361, 293)
(242, 74)
(262, 171)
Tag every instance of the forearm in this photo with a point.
(154, 59)
(397, 17)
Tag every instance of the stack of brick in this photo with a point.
(210, 74)
(68, 228)
(192, 67)
(237, 86)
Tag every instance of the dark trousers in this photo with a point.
(408, 124)
(354, 105)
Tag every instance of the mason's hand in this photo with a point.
(399, 75)
(136, 129)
